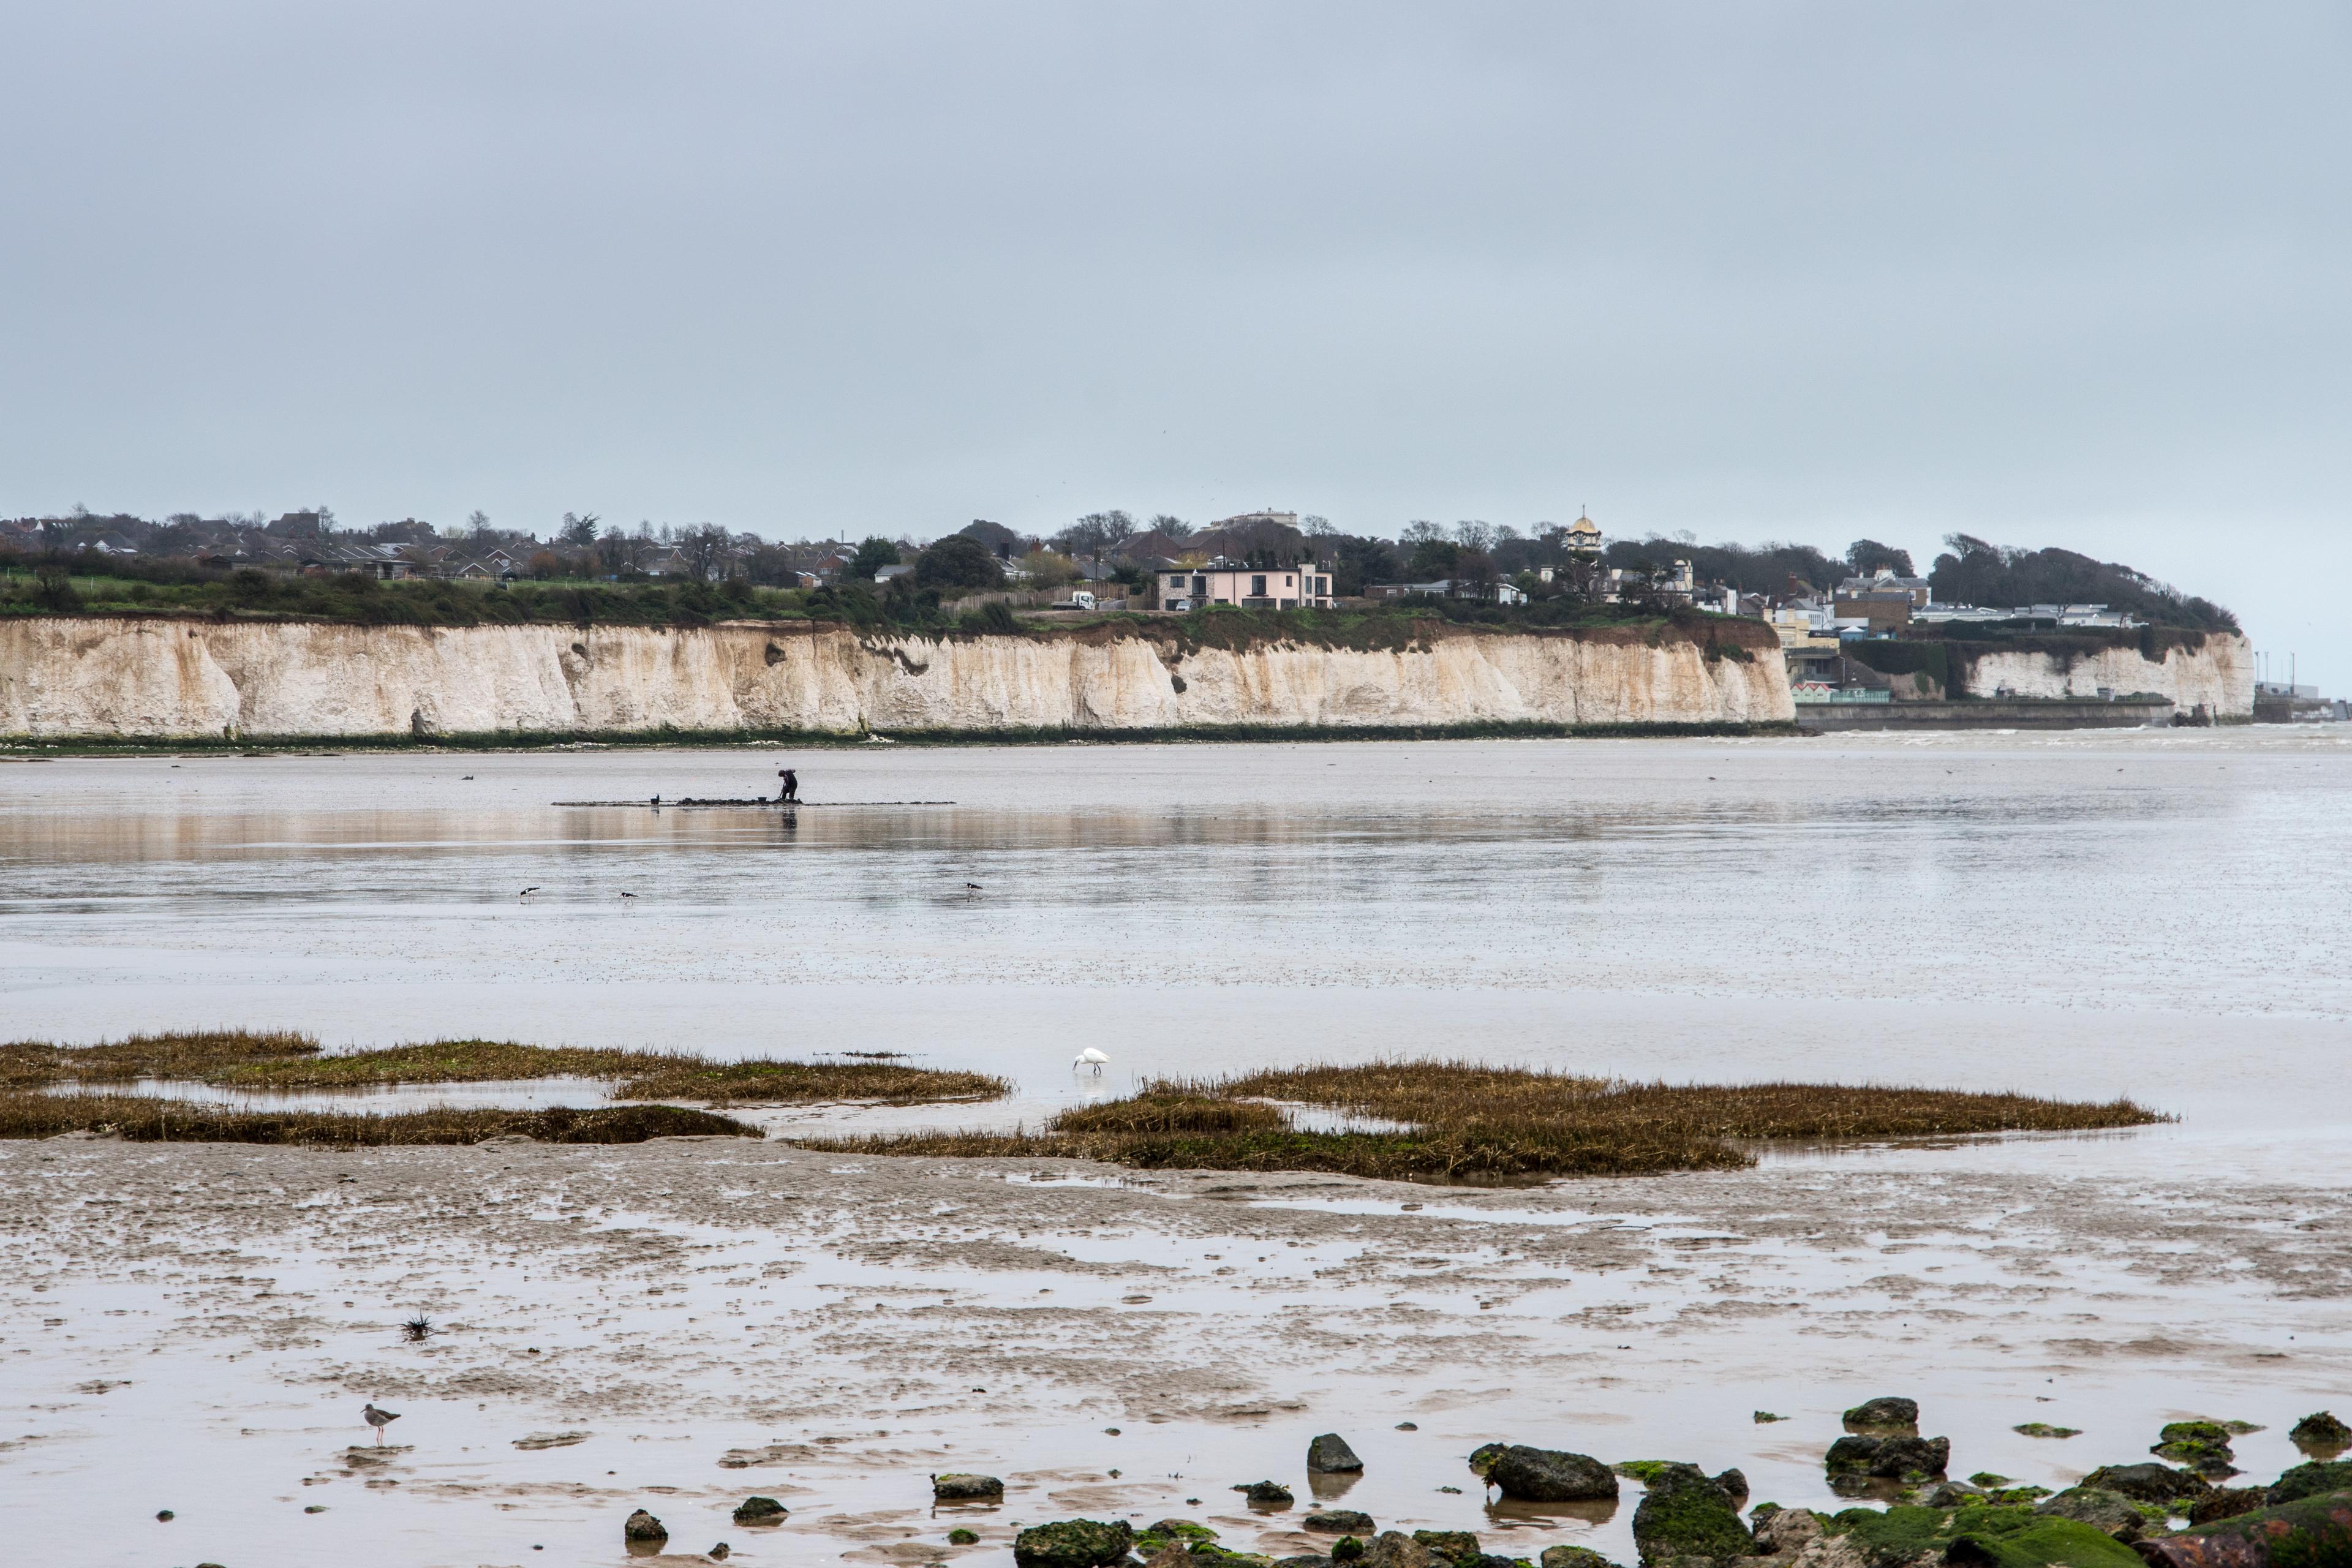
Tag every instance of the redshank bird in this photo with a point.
(379, 1419)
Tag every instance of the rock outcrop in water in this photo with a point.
(82, 677)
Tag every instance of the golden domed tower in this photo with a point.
(1584, 535)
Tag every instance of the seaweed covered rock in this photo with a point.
(760, 1510)
(644, 1528)
(1544, 1475)
(1265, 1494)
(1886, 1410)
(2311, 1481)
(1891, 1459)
(956, 1487)
(2311, 1533)
(1572, 1557)
(1339, 1521)
(2228, 1503)
(2320, 1433)
(1458, 1547)
(1329, 1454)
(1181, 1531)
(1074, 1543)
(2100, 1508)
(2203, 1446)
(1976, 1536)
(1684, 1513)
(2149, 1482)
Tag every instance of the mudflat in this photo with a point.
(195, 1327)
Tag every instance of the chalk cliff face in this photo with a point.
(72, 677)
(2220, 675)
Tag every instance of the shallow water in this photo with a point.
(2162, 915)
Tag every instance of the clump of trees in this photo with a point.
(1971, 572)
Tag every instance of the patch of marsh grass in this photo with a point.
(234, 1059)
(1474, 1124)
(141, 1119)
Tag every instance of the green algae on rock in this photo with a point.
(1686, 1514)
(1074, 1543)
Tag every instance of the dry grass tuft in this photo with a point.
(1476, 1124)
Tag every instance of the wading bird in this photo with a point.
(1090, 1057)
(379, 1419)
(527, 892)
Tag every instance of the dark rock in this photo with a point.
(2312, 1532)
(1686, 1514)
(1458, 1547)
(1490, 1560)
(1347, 1549)
(1952, 1494)
(2320, 1433)
(642, 1526)
(1892, 1458)
(1339, 1521)
(1265, 1494)
(1544, 1475)
(2109, 1512)
(2228, 1503)
(1183, 1531)
(760, 1510)
(1886, 1410)
(2310, 1480)
(1072, 1543)
(956, 1487)
(718, 1553)
(960, 1536)
(1572, 1557)
(1733, 1483)
(1306, 1560)
(1329, 1454)
(2149, 1482)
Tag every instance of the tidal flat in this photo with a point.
(2158, 918)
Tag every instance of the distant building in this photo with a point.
(1583, 536)
(1250, 587)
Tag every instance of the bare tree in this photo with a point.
(1420, 531)
(1473, 535)
(478, 524)
(1317, 527)
(703, 551)
(578, 531)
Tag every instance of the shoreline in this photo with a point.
(614, 740)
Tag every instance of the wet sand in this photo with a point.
(196, 1327)
(2164, 916)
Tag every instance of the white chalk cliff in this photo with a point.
(158, 677)
(2219, 676)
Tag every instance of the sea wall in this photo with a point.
(2217, 674)
(68, 677)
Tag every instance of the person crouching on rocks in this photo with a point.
(791, 793)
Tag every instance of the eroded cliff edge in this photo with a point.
(90, 677)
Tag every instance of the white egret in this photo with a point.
(1090, 1057)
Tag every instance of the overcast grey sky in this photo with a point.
(2047, 273)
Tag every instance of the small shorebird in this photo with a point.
(973, 885)
(1090, 1057)
(527, 892)
(628, 895)
(379, 1419)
